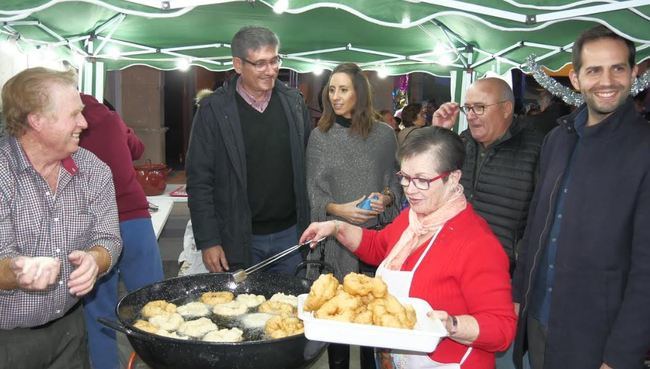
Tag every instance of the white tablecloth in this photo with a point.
(159, 218)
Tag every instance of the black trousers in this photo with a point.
(536, 334)
(338, 356)
(59, 344)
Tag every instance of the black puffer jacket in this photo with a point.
(501, 189)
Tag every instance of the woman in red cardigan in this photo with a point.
(441, 251)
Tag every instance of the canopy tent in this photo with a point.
(450, 38)
(392, 36)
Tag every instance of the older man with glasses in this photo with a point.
(499, 173)
(500, 168)
(246, 162)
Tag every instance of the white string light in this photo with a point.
(281, 6)
(183, 64)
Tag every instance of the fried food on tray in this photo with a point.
(360, 299)
(341, 307)
(323, 289)
(276, 307)
(389, 312)
(157, 307)
(361, 285)
(231, 308)
(281, 326)
(363, 315)
(216, 298)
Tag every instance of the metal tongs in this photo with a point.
(241, 274)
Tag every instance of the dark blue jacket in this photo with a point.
(216, 170)
(600, 304)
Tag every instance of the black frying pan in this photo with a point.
(165, 353)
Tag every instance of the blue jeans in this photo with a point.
(267, 245)
(139, 265)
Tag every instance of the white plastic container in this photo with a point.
(424, 337)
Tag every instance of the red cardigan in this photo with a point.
(108, 137)
(465, 272)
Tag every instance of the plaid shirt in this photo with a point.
(35, 222)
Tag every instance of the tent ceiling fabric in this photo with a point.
(397, 36)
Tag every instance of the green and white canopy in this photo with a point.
(391, 36)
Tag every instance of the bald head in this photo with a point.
(497, 100)
(498, 87)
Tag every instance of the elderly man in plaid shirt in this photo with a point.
(58, 222)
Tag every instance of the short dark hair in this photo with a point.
(446, 146)
(597, 33)
(363, 112)
(410, 114)
(252, 38)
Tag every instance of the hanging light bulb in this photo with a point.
(183, 64)
(78, 59)
(318, 68)
(281, 6)
(445, 59)
(7, 46)
(113, 53)
(443, 53)
(382, 72)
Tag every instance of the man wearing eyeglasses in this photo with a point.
(500, 167)
(246, 162)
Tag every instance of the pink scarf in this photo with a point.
(408, 243)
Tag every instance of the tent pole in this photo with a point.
(92, 74)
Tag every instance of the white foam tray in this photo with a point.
(424, 337)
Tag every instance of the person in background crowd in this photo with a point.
(337, 185)
(544, 117)
(58, 223)
(430, 107)
(246, 161)
(108, 137)
(583, 275)
(641, 106)
(413, 116)
(388, 118)
(441, 251)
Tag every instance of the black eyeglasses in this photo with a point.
(478, 109)
(261, 65)
(419, 183)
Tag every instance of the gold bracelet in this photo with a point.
(336, 227)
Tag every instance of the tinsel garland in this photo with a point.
(566, 94)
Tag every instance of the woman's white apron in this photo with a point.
(399, 285)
